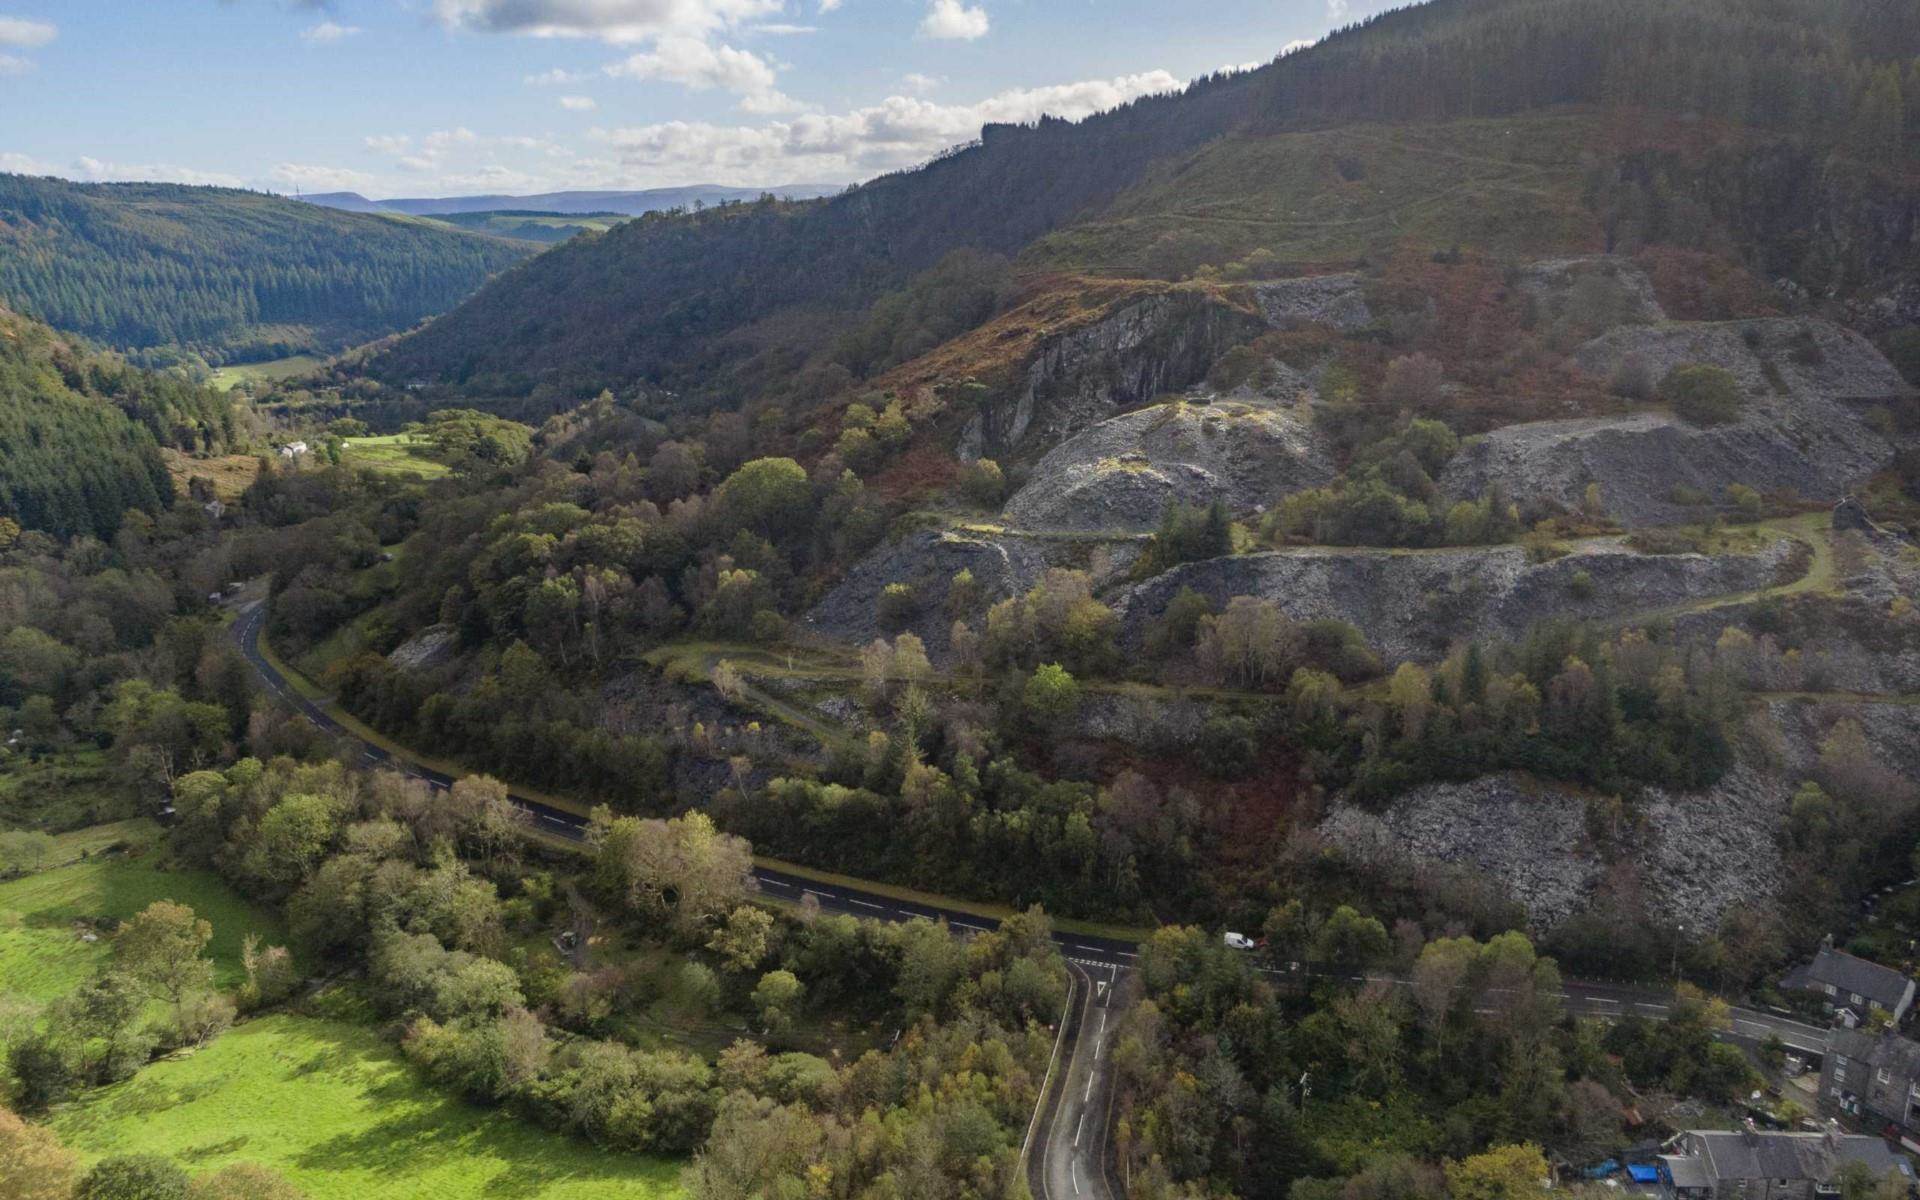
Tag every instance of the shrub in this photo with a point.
(896, 606)
(1703, 395)
(1744, 501)
(984, 483)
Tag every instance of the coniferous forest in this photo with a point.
(224, 274)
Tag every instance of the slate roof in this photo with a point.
(1815, 1156)
(1882, 1051)
(1850, 975)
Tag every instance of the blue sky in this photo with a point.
(448, 97)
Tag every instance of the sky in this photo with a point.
(395, 98)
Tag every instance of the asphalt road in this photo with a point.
(1069, 1157)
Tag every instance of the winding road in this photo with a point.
(1067, 1155)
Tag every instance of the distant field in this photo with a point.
(338, 1111)
(226, 378)
(398, 453)
(44, 955)
(230, 474)
(545, 228)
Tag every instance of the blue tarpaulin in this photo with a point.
(1602, 1171)
(1644, 1174)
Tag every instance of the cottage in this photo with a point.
(1750, 1165)
(293, 450)
(1853, 988)
(1875, 1078)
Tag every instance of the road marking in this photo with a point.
(1089, 1092)
(1080, 1128)
(865, 904)
(1073, 1168)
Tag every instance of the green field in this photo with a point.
(335, 1109)
(42, 952)
(273, 371)
(399, 453)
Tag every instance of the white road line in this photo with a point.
(1073, 1168)
(1080, 1128)
(865, 904)
(1088, 1095)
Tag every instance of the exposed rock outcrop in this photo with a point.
(1416, 604)
(1159, 345)
(1780, 355)
(1121, 473)
(1335, 300)
(1528, 835)
(1796, 433)
(432, 647)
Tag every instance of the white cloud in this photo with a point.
(827, 6)
(309, 178)
(920, 84)
(18, 31)
(781, 29)
(1237, 68)
(1337, 10)
(389, 143)
(1297, 45)
(898, 132)
(94, 170)
(952, 20)
(13, 64)
(328, 32)
(558, 77)
(620, 21)
(700, 65)
(578, 103)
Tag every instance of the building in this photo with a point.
(1750, 1165)
(1853, 988)
(1874, 1078)
(293, 450)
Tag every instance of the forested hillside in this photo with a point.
(1824, 91)
(80, 433)
(227, 275)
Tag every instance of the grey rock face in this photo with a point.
(1416, 605)
(1528, 835)
(1804, 440)
(1335, 300)
(1698, 854)
(1814, 447)
(432, 647)
(1801, 358)
(1145, 350)
(1121, 473)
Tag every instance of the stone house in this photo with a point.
(1853, 988)
(1751, 1165)
(1874, 1078)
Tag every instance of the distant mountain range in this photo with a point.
(630, 204)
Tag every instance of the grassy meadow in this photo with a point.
(338, 1111)
(44, 915)
(273, 371)
(397, 453)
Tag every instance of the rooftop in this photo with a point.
(1849, 974)
(1728, 1154)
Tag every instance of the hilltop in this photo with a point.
(1551, 128)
